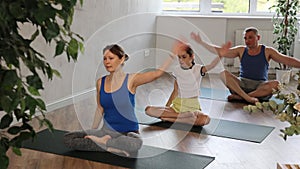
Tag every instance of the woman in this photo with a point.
(115, 104)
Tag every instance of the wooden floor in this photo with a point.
(228, 153)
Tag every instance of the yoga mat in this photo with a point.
(147, 157)
(214, 94)
(223, 128)
(221, 94)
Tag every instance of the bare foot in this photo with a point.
(117, 151)
(187, 120)
(197, 112)
(186, 114)
(202, 119)
(99, 140)
(252, 100)
(233, 97)
(249, 99)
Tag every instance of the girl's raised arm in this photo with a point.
(143, 78)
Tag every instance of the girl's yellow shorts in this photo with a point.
(181, 105)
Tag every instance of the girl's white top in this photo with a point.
(188, 81)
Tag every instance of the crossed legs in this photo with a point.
(168, 114)
(104, 140)
(233, 83)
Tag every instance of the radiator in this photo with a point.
(266, 38)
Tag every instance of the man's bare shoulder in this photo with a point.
(238, 50)
(239, 47)
(270, 49)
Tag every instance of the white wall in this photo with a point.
(217, 30)
(130, 23)
(138, 27)
(170, 28)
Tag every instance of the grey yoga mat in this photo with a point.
(221, 94)
(222, 128)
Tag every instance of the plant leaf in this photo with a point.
(34, 35)
(41, 104)
(60, 46)
(34, 81)
(33, 91)
(72, 49)
(14, 130)
(5, 103)
(17, 151)
(6, 120)
(48, 124)
(4, 161)
(56, 72)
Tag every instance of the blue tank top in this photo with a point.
(119, 114)
(254, 67)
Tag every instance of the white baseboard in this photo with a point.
(66, 101)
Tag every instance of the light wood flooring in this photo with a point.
(228, 153)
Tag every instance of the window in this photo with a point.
(254, 7)
(264, 5)
(181, 5)
(233, 6)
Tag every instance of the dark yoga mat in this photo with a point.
(221, 94)
(147, 157)
(223, 128)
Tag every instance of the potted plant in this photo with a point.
(286, 107)
(20, 92)
(285, 30)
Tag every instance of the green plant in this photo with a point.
(286, 109)
(19, 91)
(285, 26)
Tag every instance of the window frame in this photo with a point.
(205, 9)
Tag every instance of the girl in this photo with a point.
(183, 105)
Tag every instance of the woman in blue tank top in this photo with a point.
(115, 105)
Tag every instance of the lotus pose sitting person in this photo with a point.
(183, 105)
(115, 105)
(252, 85)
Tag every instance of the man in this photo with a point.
(252, 85)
